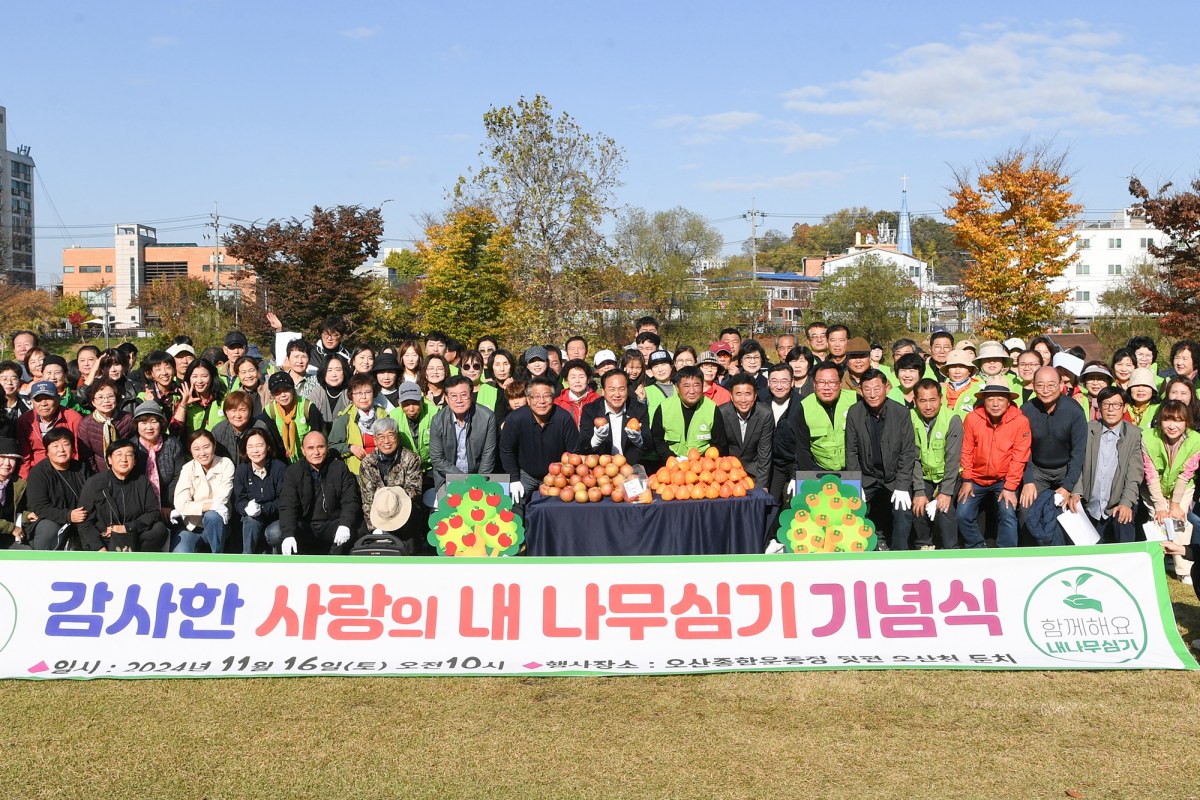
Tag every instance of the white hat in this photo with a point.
(1065, 361)
(390, 509)
(1014, 344)
(182, 347)
(605, 356)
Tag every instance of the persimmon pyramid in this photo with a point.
(701, 476)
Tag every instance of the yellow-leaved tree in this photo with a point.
(1016, 224)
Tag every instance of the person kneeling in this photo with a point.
(318, 504)
(202, 497)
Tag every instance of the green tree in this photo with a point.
(1015, 222)
(467, 289)
(1124, 317)
(305, 267)
(872, 297)
(1172, 289)
(552, 184)
(24, 309)
(183, 306)
(407, 265)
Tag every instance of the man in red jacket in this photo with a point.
(35, 423)
(995, 451)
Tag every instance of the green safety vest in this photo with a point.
(354, 434)
(421, 446)
(655, 398)
(1169, 471)
(966, 400)
(194, 419)
(699, 432)
(931, 445)
(302, 428)
(485, 395)
(827, 439)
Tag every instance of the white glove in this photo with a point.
(341, 535)
(775, 547)
(1058, 500)
(377, 532)
(931, 510)
(901, 501)
(635, 437)
(253, 509)
(600, 434)
(175, 515)
(516, 490)
(289, 546)
(791, 489)
(222, 511)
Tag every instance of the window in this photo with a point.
(206, 268)
(1114, 244)
(1145, 244)
(1114, 269)
(89, 269)
(1083, 297)
(68, 269)
(108, 268)
(1085, 244)
(1083, 269)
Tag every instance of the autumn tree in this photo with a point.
(183, 306)
(305, 267)
(74, 310)
(1173, 290)
(872, 297)
(552, 184)
(1015, 222)
(24, 309)
(1123, 316)
(467, 289)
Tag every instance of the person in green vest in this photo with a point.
(909, 369)
(234, 347)
(1171, 452)
(201, 394)
(661, 366)
(54, 369)
(995, 365)
(939, 433)
(1142, 399)
(292, 415)
(687, 419)
(471, 364)
(414, 417)
(387, 370)
(819, 430)
(352, 436)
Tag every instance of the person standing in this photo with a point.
(1113, 471)
(939, 435)
(819, 428)
(995, 452)
(880, 444)
(1058, 439)
(749, 428)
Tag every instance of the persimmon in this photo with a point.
(632, 424)
(749, 482)
(711, 492)
(666, 493)
(725, 463)
(691, 478)
(706, 477)
(663, 475)
(645, 497)
(712, 452)
(697, 492)
(677, 477)
(739, 490)
(672, 463)
(695, 467)
(720, 476)
(693, 454)
(725, 491)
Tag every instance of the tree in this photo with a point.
(1123, 302)
(74, 310)
(467, 289)
(184, 306)
(406, 264)
(1173, 290)
(552, 184)
(836, 232)
(305, 268)
(1016, 226)
(872, 297)
(24, 309)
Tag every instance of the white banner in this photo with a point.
(84, 615)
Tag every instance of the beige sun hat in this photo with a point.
(390, 509)
(992, 349)
(960, 358)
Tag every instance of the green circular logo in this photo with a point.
(1087, 616)
(8, 616)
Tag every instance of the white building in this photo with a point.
(1109, 249)
(16, 211)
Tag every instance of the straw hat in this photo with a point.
(992, 349)
(960, 358)
(390, 509)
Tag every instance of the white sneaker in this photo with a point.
(1186, 580)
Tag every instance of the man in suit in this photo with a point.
(784, 402)
(1113, 470)
(749, 428)
(619, 409)
(462, 436)
(880, 444)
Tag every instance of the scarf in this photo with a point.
(109, 430)
(152, 466)
(366, 421)
(288, 418)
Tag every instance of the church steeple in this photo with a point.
(904, 239)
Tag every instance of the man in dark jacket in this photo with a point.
(122, 511)
(12, 495)
(749, 428)
(1058, 435)
(53, 493)
(462, 436)
(880, 444)
(534, 436)
(318, 504)
(619, 410)
(784, 403)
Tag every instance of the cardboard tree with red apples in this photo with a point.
(476, 519)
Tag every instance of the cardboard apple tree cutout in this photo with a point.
(826, 516)
(476, 519)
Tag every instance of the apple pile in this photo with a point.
(698, 476)
(588, 479)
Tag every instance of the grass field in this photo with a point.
(754, 735)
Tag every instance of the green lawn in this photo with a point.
(755, 735)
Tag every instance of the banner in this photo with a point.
(100, 615)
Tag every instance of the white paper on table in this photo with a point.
(1079, 527)
(1156, 532)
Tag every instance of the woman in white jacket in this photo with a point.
(202, 496)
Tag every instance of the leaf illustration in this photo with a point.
(1067, 584)
(1083, 601)
(1082, 579)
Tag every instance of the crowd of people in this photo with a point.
(289, 451)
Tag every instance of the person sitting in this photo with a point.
(46, 415)
(103, 426)
(1171, 455)
(122, 510)
(202, 496)
(53, 491)
(995, 452)
(621, 412)
(318, 503)
(1058, 439)
(749, 426)
(687, 419)
(391, 465)
(352, 437)
(238, 408)
(12, 496)
(292, 416)
(534, 436)
(462, 436)
(257, 482)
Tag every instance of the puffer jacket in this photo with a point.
(992, 453)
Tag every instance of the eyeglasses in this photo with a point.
(386, 437)
(362, 393)
(1117, 406)
(541, 397)
(826, 383)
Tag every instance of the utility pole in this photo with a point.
(754, 214)
(107, 295)
(216, 256)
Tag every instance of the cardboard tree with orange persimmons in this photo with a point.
(826, 516)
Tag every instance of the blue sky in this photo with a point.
(141, 112)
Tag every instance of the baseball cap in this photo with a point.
(720, 347)
(409, 392)
(536, 352)
(182, 347)
(235, 339)
(281, 382)
(604, 357)
(659, 357)
(42, 389)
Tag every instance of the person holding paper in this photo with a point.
(1112, 469)
(939, 435)
(1058, 440)
(1171, 453)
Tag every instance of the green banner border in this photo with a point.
(1151, 550)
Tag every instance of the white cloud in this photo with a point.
(361, 32)
(996, 79)
(795, 138)
(796, 180)
(723, 122)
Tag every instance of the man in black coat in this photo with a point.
(53, 492)
(749, 428)
(319, 503)
(618, 408)
(122, 510)
(881, 444)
